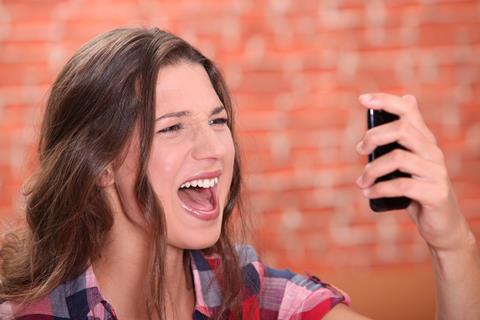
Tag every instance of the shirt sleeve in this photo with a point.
(285, 295)
(6, 310)
(296, 296)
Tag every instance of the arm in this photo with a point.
(457, 277)
(343, 312)
(434, 209)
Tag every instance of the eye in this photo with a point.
(219, 121)
(173, 128)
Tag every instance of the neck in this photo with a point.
(122, 273)
(179, 286)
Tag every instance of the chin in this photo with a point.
(196, 240)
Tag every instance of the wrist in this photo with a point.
(457, 263)
(456, 237)
(465, 244)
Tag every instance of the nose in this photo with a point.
(208, 144)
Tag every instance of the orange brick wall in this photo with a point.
(295, 69)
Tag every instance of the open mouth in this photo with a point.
(199, 197)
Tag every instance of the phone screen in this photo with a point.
(377, 118)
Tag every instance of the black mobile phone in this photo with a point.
(377, 118)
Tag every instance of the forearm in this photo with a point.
(457, 277)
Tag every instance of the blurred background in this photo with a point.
(295, 69)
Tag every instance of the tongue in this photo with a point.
(197, 198)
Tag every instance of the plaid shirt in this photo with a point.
(269, 294)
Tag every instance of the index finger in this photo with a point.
(405, 107)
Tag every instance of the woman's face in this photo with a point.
(192, 146)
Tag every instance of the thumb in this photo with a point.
(410, 98)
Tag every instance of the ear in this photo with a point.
(106, 178)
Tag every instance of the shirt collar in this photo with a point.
(208, 295)
(83, 293)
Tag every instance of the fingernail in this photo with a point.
(365, 98)
(359, 181)
(410, 97)
(359, 146)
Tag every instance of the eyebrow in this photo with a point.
(178, 114)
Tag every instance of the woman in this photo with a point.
(130, 214)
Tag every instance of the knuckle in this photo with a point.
(403, 128)
(398, 155)
(442, 172)
(403, 185)
(443, 193)
(439, 154)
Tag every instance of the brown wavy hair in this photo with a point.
(105, 91)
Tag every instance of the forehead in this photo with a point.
(184, 86)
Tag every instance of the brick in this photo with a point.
(24, 74)
(295, 69)
(28, 10)
(23, 52)
(33, 31)
(25, 94)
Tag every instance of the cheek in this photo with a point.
(230, 154)
(228, 163)
(163, 165)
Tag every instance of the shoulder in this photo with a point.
(284, 294)
(280, 293)
(75, 299)
(45, 306)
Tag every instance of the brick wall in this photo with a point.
(295, 69)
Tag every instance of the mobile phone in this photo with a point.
(377, 118)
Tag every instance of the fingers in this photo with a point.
(404, 161)
(427, 193)
(405, 107)
(405, 134)
(423, 159)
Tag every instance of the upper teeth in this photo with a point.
(203, 183)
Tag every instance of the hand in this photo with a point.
(434, 207)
